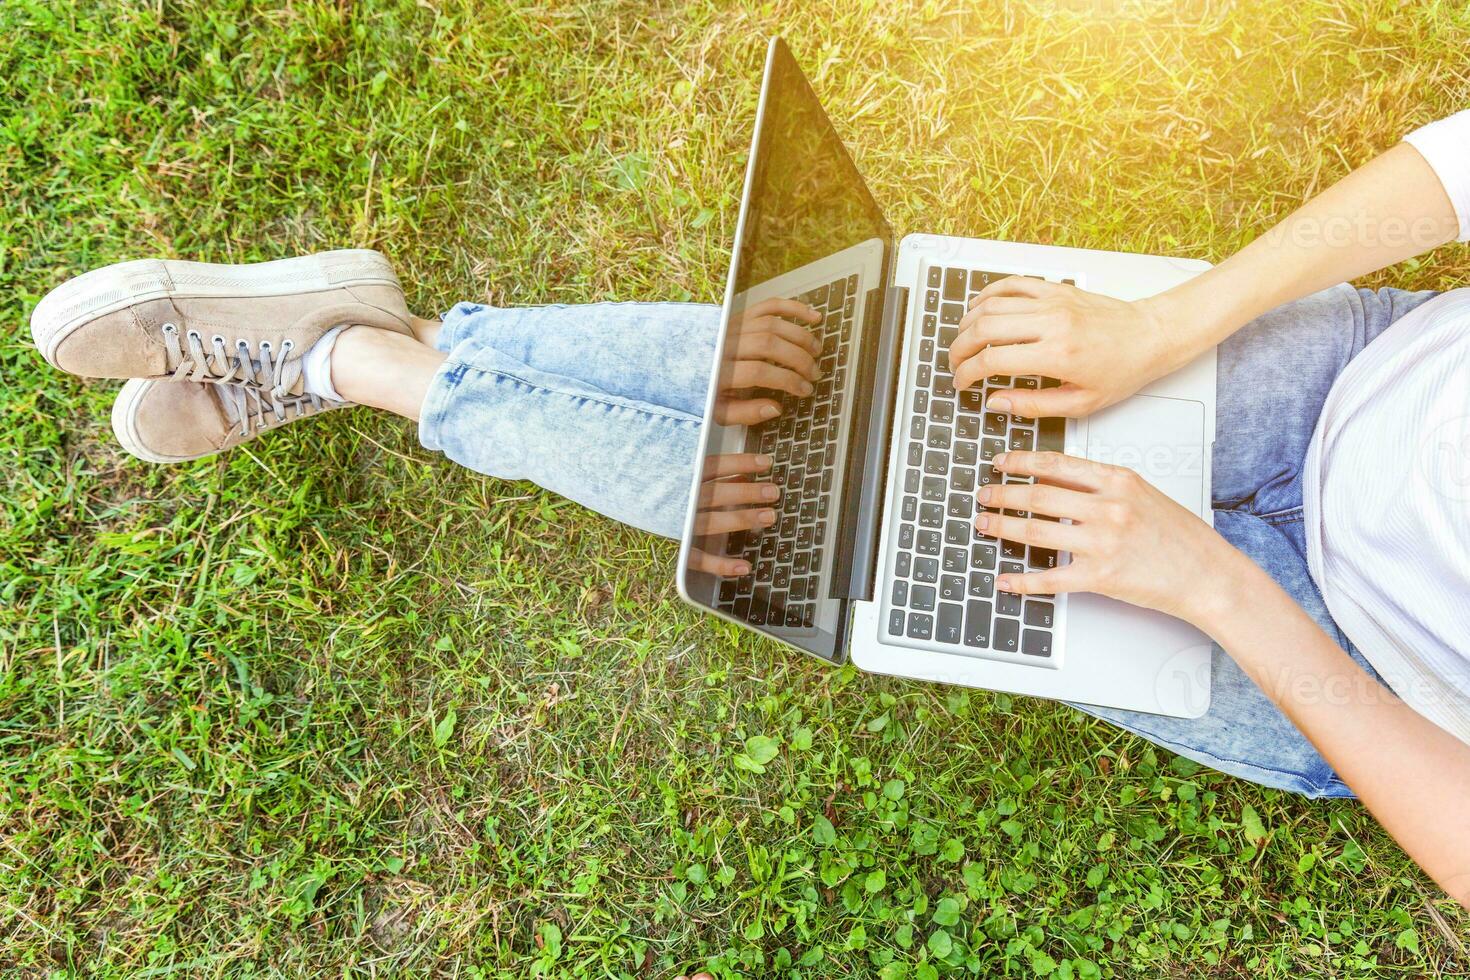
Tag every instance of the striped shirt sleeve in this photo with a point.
(1446, 145)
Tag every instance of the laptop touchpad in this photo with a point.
(1161, 439)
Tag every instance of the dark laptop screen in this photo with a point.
(808, 276)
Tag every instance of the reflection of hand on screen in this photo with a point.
(730, 500)
(773, 352)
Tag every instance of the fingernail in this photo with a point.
(1005, 583)
(769, 411)
(982, 521)
(741, 568)
(771, 493)
(999, 460)
(763, 461)
(999, 404)
(983, 495)
(768, 517)
(806, 388)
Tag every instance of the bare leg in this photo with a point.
(387, 370)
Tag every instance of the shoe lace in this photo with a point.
(253, 410)
(263, 369)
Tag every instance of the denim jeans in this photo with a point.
(603, 403)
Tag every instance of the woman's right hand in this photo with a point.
(1101, 349)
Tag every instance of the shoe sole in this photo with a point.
(124, 412)
(115, 287)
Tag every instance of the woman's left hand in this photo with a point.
(1127, 539)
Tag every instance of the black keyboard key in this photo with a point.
(933, 488)
(991, 448)
(982, 585)
(931, 301)
(1011, 568)
(916, 453)
(921, 626)
(926, 351)
(921, 402)
(905, 535)
(900, 593)
(1036, 643)
(950, 313)
(910, 508)
(922, 597)
(977, 623)
(979, 280)
(968, 426)
(936, 277)
(1042, 558)
(931, 515)
(895, 623)
(1007, 634)
(962, 479)
(954, 284)
(1039, 613)
(930, 323)
(927, 543)
(926, 570)
(957, 532)
(966, 453)
(995, 424)
(916, 426)
(943, 385)
(902, 564)
(936, 461)
(982, 555)
(960, 506)
(942, 410)
(938, 437)
(952, 588)
(1051, 435)
(911, 481)
(951, 622)
(1022, 439)
(954, 559)
(1008, 603)
(1012, 549)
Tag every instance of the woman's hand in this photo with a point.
(771, 351)
(730, 499)
(1128, 540)
(1101, 349)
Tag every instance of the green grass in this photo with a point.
(331, 706)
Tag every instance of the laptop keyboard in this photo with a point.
(787, 558)
(943, 587)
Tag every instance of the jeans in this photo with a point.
(603, 403)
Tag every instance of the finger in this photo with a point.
(736, 464)
(795, 333)
(724, 521)
(1063, 578)
(761, 374)
(994, 331)
(1043, 534)
(1068, 401)
(1067, 471)
(733, 493)
(746, 411)
(982, 305)
(1040, 498)
(1007, 359)
(703, 561)
(1020, 286)
(769, 346)
(782, 307)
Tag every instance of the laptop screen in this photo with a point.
(766, 544)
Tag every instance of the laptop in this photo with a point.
(873, 557)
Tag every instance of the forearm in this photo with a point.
(1387, 211)
(1412, 775)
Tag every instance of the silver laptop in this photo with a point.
(873, 556)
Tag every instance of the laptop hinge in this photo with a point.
(873, 419)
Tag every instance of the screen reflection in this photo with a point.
(811, 261)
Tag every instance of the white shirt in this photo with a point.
(1386, 485)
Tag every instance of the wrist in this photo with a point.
(1187, 321)
(1231, 576)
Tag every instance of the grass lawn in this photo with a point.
(330, 705)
